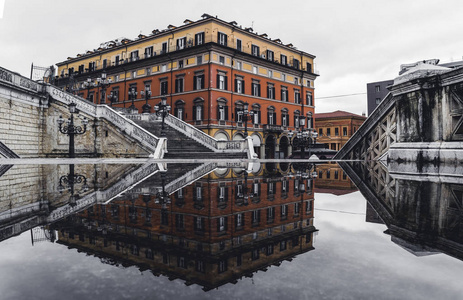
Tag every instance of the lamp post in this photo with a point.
(146, 108)
(132, 96)
(162, 109)
(103, 82)
(70, 129)
(162, 196)
(304, 138)
(88, 85)
(112, 97)
(246, 113)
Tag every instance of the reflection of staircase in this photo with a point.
(180, 146)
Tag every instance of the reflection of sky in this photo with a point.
(352, 260)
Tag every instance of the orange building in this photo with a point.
(208, 70)
(335, 128)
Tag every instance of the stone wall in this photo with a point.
(21, 125)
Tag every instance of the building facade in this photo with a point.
(376, 91)
(335, 128)
(208, 70)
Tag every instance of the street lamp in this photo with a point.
(146, 108)
(132, 96)
(103, 82)
(162, 197)
(162, 109)
(246, 113)
(112, 97)
(88, 85)
(70, 129)
(304, 138)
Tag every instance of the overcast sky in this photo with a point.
(355, 41)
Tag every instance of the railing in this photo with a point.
(22, 83)
(190, 177)
(143, 136)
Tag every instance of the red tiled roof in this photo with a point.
(337, 114)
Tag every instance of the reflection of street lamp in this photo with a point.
(146, 108)
(162, 109)
(304, 171)
(132, 96)
(304, 138)
(246, 113)
(70, 129)
(69, 181)
(162, 196)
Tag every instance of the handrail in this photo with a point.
(135, 131)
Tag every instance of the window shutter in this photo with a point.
(258, 216)
(178, 42)
(259, 114)
(236, 114)
(195, 219)
(202, 81)
(242, 87)
(226, 194)
(201, 114)
(268, 117)
(236, 85)
(274, 118)
(175, 112)
(273, 90)
(218, 224)
(226, 82)
(218, 81)
(258, 90)
(281, 95)
(194, 83)
(194, 113)
(282, 115)
(218, 112)
(218, 37)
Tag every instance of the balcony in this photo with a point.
(273, 128)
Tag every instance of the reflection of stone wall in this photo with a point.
(20, 186)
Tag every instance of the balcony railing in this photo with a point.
(273, 128)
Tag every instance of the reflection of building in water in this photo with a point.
(423, 213)
(227, 225)
(332, 179)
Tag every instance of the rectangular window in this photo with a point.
(284, 94)
(180, 64)
(297, 97)
(105, 62)
(255, 217)
(198, 82)
(238, 45)
(255, 50)
(239, 65)
(179, 85)
(256, 121)
(222, 113)
(164, 68)
(344, 131)
(336, 131)
(308, 99)
(320, 131)
(199, 38)
(296, 63)
(164, 48)
(148, 71)
(221, 82)
(254, 69)
(148, 52)
(199, 59)
(197, 112)
(377, 101)
(283, 60)
(181, 43)
(222, 60)
(270, 73)
(270, 91)
(222, 224)
(134, 55)
(284, 120)
(239, 86)
(222, 39)
(377, 88)
(270, 55)
(328, 131)
(164, 87)
(256, 89)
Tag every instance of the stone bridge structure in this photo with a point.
(420, 120)
(29, 112)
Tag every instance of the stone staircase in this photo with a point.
(179, 146)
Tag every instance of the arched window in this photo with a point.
(179, 110)
(198, 110)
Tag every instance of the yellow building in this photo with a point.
(208, 70)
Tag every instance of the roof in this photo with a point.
(338, 114)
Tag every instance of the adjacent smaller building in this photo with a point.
(376, 91)
(335, 128)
